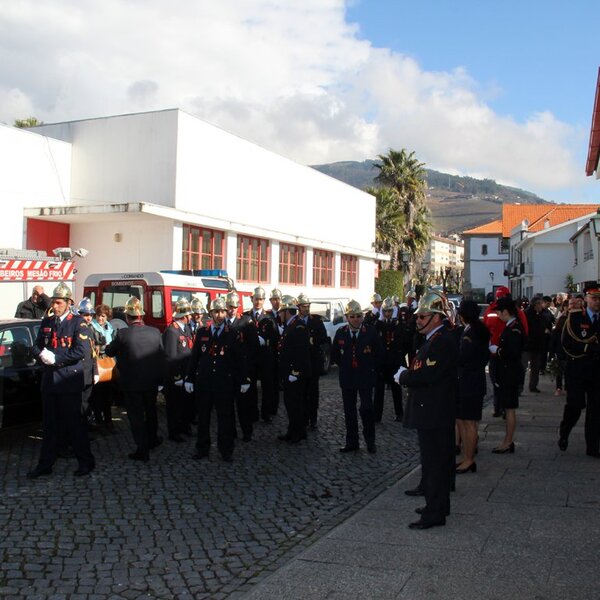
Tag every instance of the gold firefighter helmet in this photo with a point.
(396, 299)
(276, 293)
(288, 303)
(353, 307)
(197, 307)
(86, 307)
(182, 308)
(133, 307)
(434, 302)
(63, 291)
(388, 304)
(303, 298)
(218, 304)
(376, 298)
(258, 294)
(232, 299)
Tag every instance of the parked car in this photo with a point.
(20, 373)
(331, 310)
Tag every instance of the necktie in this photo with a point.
(354, 334)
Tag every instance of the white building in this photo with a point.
(165, 190)
(444, 253)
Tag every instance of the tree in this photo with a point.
(389, 224)
(28, 122)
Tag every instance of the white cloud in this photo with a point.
(291, 76)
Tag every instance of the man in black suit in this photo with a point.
(140, 356)
(294, 369)
(216, 372)
(431, 406)
(317, 337)
(357, 351)
(581, 342)
(61, 346)
(178, 343)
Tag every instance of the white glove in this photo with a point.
(189, 387)
(261, 341)
(47, 357)
(292, 378)
(96, 379)
(178, 383)
(398, 373)
(280, 327)
(244, 388)
(160, 388)
(493, 348)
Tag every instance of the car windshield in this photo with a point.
(323, 309)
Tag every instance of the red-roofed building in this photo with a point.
(593, 157)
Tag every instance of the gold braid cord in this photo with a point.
(575, 337)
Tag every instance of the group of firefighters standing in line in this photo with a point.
(218, 363)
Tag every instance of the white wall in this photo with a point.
(482, 265)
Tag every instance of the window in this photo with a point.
(291, 264)
(252, 259)
(323, 270)
(202, 248)
(483, 249)
(349, 271)
(15, 347)
(503, 245)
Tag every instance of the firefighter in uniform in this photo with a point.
(431, 407)
(216, 371)
(318, 338)
(90, 366)
(260, 351)
(581, 342)
(275, 301)
(242, 406)
(61, 345)
(198, 314)
(294, 369)
(373, 315)
(140, 354)
(357, 351)
(178, 343)
(395, 344)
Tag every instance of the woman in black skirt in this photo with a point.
(510, 369)
(472, 358)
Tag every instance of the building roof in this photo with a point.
(539, 214)
(495, 227)
(594, 147)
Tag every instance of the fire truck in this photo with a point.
(158, 291)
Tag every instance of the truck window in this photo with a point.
(189, 295)
(323, 309)
(116, 296)
(157, 304)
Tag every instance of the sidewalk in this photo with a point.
(525, 526)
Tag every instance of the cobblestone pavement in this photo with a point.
(179, 528)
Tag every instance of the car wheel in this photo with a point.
(326, 358)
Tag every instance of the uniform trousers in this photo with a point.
(385, 376)
(101, 401)
(223, 403)
(437, 458)
(583, 394)
(294, 399)
(365, 396)
(312, 399)
(62, 415)
(244, 413)
(264, 373)
(143, 418)
(175, 400)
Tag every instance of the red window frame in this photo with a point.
(253, 259)
(349, 271)
(323, 268)
(291, 264)
(203, 248)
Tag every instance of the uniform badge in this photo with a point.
(183, 343)
(203, 348)
(222, 353)
(367, 350)
(583, 333)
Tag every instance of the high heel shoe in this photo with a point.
(510, 449)
(472, 468)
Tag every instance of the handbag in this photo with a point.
(107, 369)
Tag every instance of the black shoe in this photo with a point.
(345, 449)
(399, 419)
(247, 437)
(415, 492)
(199, 455)
(83, 471)
(65, 453)
(472, 468)
(593, 453)
(176, 438)
(267, 418)
(535, 391)
(295, 439)
(284, 437)
(372, 448)
(421, 510)
(420, 524)
(497, 413)
(563, 443)
(156, 443)
(227, 458)
(39, 472)
(139, 456)
(312, 426)
(509, 449)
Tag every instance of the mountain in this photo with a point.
(456, 203)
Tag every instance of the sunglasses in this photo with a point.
(354, 316)
(423, 317)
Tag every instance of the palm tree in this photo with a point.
(389, 223)
(28, 122)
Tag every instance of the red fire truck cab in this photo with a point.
(159, 291)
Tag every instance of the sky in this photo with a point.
(503, 90)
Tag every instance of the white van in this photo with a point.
(332, 311)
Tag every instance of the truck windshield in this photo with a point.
(116, 296)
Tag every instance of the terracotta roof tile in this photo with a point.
(493, 227)
(538, 214)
